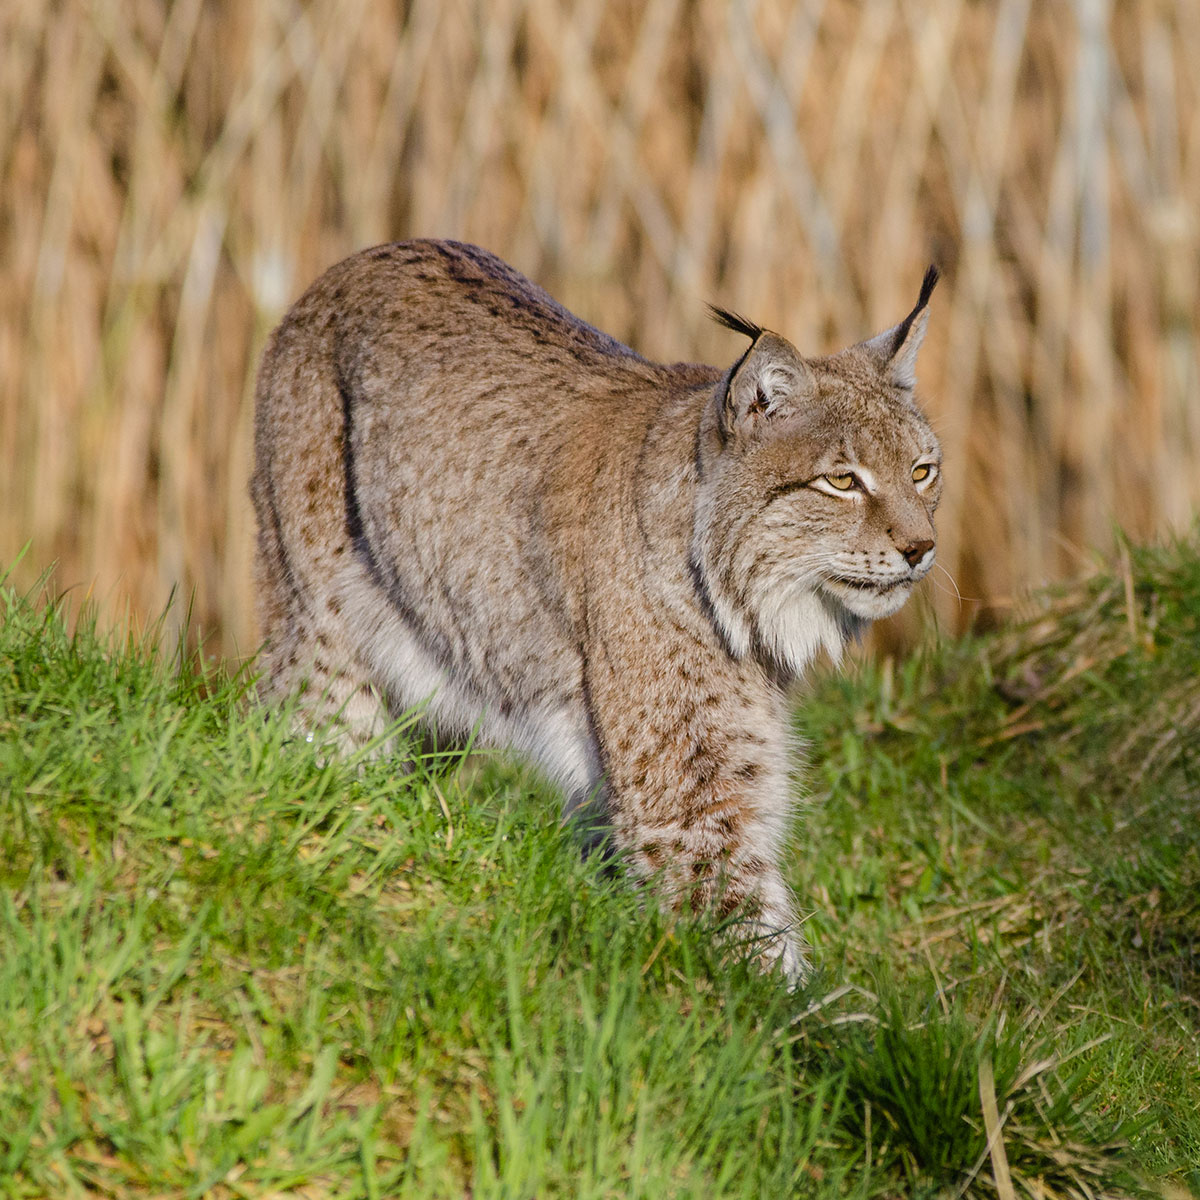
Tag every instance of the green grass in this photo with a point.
(230, 968)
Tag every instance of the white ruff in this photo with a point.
(796, 626)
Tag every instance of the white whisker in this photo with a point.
(953, 584)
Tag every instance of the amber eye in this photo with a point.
(921, 473)
(843, 483)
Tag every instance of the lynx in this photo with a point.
(470, 500)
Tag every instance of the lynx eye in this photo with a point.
(843, 483)
(923, 472)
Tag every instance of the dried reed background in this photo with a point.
(174, 175)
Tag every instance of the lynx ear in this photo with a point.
(770, 379)
(896, 349)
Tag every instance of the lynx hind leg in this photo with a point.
(335, 701)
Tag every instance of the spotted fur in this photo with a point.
(471, 500)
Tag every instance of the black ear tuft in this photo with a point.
(900, 333)
(738, 324)
(932, 275)
(895, 350)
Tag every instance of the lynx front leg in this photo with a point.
(710, 863)
(699, 783)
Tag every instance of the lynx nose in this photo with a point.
(915, 551)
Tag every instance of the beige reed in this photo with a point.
(174, 175)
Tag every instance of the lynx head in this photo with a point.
(818, 482)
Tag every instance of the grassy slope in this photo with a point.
(229, 969)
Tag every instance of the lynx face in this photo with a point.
(819, 482)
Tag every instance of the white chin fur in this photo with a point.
(796, 626)
(869, 605)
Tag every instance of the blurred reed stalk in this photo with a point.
(175, 174)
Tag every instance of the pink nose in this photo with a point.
(916, 551)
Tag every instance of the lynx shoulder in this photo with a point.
(469, 499)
